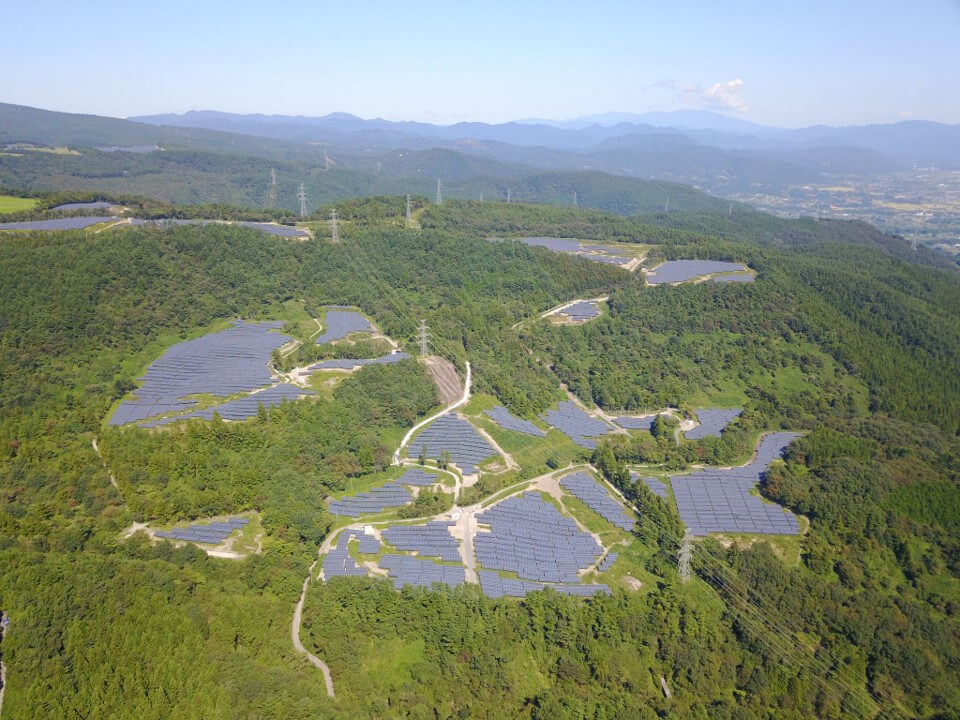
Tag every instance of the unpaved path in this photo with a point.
(96, 449)
(464, 398)
(295, 634)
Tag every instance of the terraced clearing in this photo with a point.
(678, 271)
(11, 203)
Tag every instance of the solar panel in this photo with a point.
(596, 497)
(576, 424)
(735, 278)
(712, 422)
(722, 500)
(392, 494)
(629, 422)
(682, 270)
(98, 205)
(225, 363)
(70, 223)
(351, 363)
(433, 540)
(340, 323)
(508, 421)
(581, 311)
(452, 434)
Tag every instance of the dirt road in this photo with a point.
(295, 634)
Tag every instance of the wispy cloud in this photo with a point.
(719, 96)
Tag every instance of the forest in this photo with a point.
(843, 336)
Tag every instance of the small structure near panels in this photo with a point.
(452, 434)
(587, 489)
(716, 500)
(508, 421)
(675, 271)
(712, 422)
(576, 424)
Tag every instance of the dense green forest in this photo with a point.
(838, 336)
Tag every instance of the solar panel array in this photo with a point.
(212, 534)
(451, 433)
(508, 421)
(712, 422)
(239, 408)
(607, 259)
(716, 500)
(587, 489)
(338, 560)
(223, 363)
(339, 323)
(657, 486)
(582, 310)
(418, 477)
(432, 540)
(393, 494)
(607, 563)
(735, 278)
(136, 149)
(84, 205)
(551, 243)
(596, 248)
(495, 586)
(369, 545)
(170, 222)
(409, 570)
(576, 424)
(533, 539)
(635, 423)
(351, 363)
(69, 223)
(681, 270)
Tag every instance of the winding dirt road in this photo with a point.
(295, 635)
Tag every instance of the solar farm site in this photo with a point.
(392, 494)
(675, 271)
(213, 533)
(224, 363)
(628, 422)
(580, 311)
(508, 421)
(351, 363)
(79, 223)
(340, 322)
(712, 422)
(69, 223)
(452, 434)
(715, 500)
(572, 246)
(744, 277)
(577, 425)
(586, 488)
(97, 205)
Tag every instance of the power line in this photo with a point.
(439, 194)
(302, 194)
(575, 201)
(334, 230)
(508, 195)
(409, 213)
(423, 338)
(272, 189)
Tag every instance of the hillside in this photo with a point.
(842, 337)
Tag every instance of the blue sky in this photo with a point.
(787, 64)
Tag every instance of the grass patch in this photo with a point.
(10, 204)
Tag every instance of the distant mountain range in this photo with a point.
(907, 143)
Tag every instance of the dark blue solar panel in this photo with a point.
(712, 422)
(635, 423)
(582, 310)
(721, 500)
(587, 489)
(576, 424)
(453, 434)
(351, 363)
(682, 270)
(508, 421)
(69, 223)
(340, 323)
(99, 204)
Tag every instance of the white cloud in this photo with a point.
(719, 96)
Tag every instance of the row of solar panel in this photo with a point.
(587, 489)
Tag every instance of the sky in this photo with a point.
(776, 63)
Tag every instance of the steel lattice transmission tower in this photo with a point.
(272, 189)
(409, 212)
(439, 194)
(576, 203)
(334, 230)
(302, 194)
(423, 338)
(683, 557)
